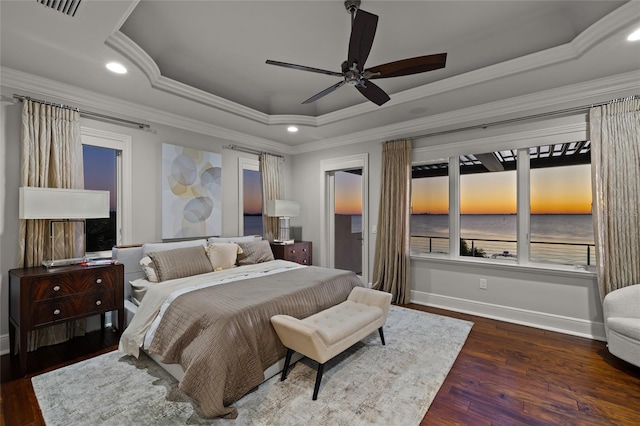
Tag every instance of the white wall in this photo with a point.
(146, 187)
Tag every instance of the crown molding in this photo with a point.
(575, 94)
(615, 21)
(68, 94)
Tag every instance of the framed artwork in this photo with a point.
(191, 192)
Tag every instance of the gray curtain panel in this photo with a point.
(615, 171)
(391, 271)
(51, 158)
(272, 178)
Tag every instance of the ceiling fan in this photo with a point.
(363, 30)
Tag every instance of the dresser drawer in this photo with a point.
(61, 285)
(65, 308)
(299, 252)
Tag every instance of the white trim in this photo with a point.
(244, 164)
(357, 161)
(546, 321)
(121, 143)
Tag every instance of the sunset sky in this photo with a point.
(559, 190)
(252, 193)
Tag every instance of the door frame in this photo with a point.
(357, 161)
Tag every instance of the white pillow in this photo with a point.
(149, 269)
(149, 247)
(223, 255)
(245, 239)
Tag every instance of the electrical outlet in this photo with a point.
(483, 283)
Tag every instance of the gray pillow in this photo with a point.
(181, 262)
(255, 252)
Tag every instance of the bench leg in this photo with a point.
(316, 388)
(287, 360)
(381, 335)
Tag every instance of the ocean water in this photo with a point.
(562, 239)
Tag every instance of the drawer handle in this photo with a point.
(56, 288)
(56, 312)
(293, 251)
(99, 281)
(304, 249)
(99, 302)
(304, 261)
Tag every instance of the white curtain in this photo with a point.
(52, 158)
(391, 271)
(272, 189)
(615, 172)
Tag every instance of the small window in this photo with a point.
(100, 173)
(488, 205)
(561, 221)
(252, 202)
(430, 208)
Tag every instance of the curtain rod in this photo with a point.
(85, 113)
(583, 108)
(249, 150)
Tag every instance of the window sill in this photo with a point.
(549, 269)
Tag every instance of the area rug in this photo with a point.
(369, 384)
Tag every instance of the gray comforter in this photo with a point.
(223, 338)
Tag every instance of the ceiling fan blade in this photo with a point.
(303, 68)
(374, 93)
(324, 92)
(362, 34)
(408, 66)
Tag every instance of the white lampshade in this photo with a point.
(282, 208)
(59, 203)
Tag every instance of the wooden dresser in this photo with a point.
(40, 297)
(299, 252)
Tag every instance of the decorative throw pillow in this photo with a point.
(182, 262)
(255, 252)
(223, 255)
(149, 269)
(139, 289)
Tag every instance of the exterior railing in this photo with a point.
(434, 244)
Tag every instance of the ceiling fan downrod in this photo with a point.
(352, 7)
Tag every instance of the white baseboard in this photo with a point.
(4, 344)
(561, 324)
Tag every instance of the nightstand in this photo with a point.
(39, 297)
(299, 252)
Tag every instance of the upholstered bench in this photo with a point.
(328, 333)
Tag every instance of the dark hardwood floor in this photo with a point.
(506, 374)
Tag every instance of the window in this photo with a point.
(251, 197)
(100, 173)
(561, 221)
(488, 205)
(430, 208)
(547, 202)
(107, 166)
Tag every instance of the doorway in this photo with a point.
(345, 235)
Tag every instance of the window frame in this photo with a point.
(124, 212)
(520, 138)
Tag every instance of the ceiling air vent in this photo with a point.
(68, 7)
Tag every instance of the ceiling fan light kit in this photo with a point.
(363, 30)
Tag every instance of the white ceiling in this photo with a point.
(205, 60)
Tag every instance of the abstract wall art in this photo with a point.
(191, 192)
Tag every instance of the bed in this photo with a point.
(209, 325)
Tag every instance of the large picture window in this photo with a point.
(554, 222)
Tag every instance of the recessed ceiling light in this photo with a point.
(634, 36)
(292, 129)
(116, 67)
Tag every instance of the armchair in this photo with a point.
(622, 323)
